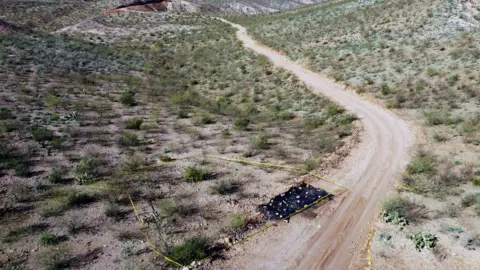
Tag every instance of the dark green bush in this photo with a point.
(127, 98)
(241, 123)
(313, 122)
(133, 123)
(129, 139)
(422, 164)
(423, 240)
(5, 114)
(332, 109)
(56, 176)
(113, 211)
(476, 181)
(194, 174)
(40, 133)
(190, 250)
(47, 239)
(86, 170)
(79, 199)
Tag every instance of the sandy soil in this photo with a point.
(335, 240)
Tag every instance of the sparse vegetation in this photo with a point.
(128, 98)
(225, 187)
(260, 141)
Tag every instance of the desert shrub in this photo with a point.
(20, 167)
(129, 139)
(384, 89)
(170, 208)
(134, 162)
(451, 210)
(187, 98)
(127, 97)
(285, 115)
(40, 133)
(113, 211)
(9, 126)
(203, 119)
(47, 238)
(224, 187)
(422, 164)
(431, 72)
(56, 176)
(5, 114)
(237, 223)
(86, 170)
(469, 200)
(79, 199)
(129, 235)
(133, 123)
(439, 137)
(194, 174)
(190, 250)
(313, 122)
(332, 109)
(311, 163)
(423, 240)
(394, 211)
(55, 258)
(476, 181)
(166, 158)
(241, 123)
(260, 141)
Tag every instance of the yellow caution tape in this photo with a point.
(398, 186)
(369, 247)
(149, 243)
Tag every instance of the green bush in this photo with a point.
(113, 211)
(166, 158)
(194, 174)
(79, 199)
(423, 164)
(313, 122)
(238, 223)
(40, 133)
(224, 187)
(133, 123)
(5, 114)
(423, 240)
(469, 200)
(129, 139)
(56, 176)
(127, 98)
(394, 211)
(332, 109)
(190, 250)
(476, 181)
(9, 126)
(86, 170)
(20, 167)
(260, 141)
(241, 123)
(47, 239)
(204, 119)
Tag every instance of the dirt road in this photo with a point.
(371, 172)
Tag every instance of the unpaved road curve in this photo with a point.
(370, 174)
